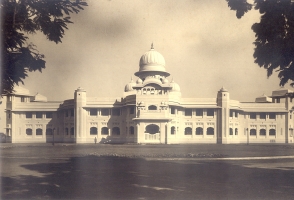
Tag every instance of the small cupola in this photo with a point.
(130, 85)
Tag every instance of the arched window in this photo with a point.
(49, 131)
(115, 131)
(152, 107)
(272, 132)
(104, 131)
(172, 130)
(199, 131)
(39, 131)
(262, 132)
(93, 131)
(252, 131)
(132, 130)
(29, 131)
(210, 131)
(72, 130)
(152, 129)
(231, 131)
(236, 131)
(152, 91)
(66, 131)
(188, 131)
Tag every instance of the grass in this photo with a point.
(159, 151)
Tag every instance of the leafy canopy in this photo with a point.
(21, 18)
(274, 35)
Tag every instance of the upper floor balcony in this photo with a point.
(153, 115)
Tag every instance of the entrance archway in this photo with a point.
(152, 129)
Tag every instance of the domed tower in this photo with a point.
(152, 63)
(152, 75)
(154, 93)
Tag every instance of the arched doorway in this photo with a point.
(152, 133)
(152, 129)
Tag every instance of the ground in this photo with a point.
(100, 171)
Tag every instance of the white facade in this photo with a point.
(150, 111)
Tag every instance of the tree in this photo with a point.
(21, 18)
(274, 35)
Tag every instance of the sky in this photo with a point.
(204, 45)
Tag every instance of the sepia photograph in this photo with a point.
(136, 99)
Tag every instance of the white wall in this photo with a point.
(2, 115)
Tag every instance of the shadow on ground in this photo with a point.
(94, 177)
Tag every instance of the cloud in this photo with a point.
(205, 47)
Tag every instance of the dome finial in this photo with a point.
(152, 47)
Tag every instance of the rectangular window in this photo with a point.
(132, 110)
(231, 113)
(116, 112)
(234, 113)
(272, 116)
(105, 112)
(65, 113)
(39, 115)
(262, 115)
(172, 110)
(188, 112)
(29, 115)
(252, 115)
(48, 115)
(72, 112)
(22, 99)
(93, 112)
(210, 112)
(199, 112)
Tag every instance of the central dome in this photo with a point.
(152, 61)
(152, 58)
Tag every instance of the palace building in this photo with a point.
(151, 110)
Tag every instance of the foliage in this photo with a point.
(20, 18)
(274, 35)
